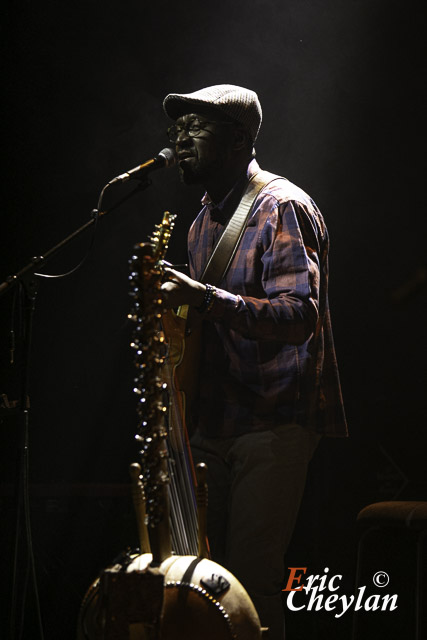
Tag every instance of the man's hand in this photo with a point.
(180, 289)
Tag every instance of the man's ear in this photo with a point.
(241, 139)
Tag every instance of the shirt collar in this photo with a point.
(252, 169)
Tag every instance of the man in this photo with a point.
(268, 381)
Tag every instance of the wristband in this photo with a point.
(208, 300)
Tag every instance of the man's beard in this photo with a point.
(191, 175)
(192, 171)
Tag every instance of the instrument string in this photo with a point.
(182, 497)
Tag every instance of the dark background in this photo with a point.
(340, 85)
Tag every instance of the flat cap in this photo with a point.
(239, 104)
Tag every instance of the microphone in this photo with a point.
(165, 158)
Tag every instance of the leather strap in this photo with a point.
(226, 247)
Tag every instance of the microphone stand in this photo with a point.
(39, 261)
(27, 278)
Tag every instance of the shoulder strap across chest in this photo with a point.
(225, 249)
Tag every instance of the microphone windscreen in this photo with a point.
(169, 155)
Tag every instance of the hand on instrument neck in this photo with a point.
(179, 289)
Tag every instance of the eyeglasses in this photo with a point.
(192, 128)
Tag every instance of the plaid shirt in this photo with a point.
(268, 355)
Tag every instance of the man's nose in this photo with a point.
(183, 137)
